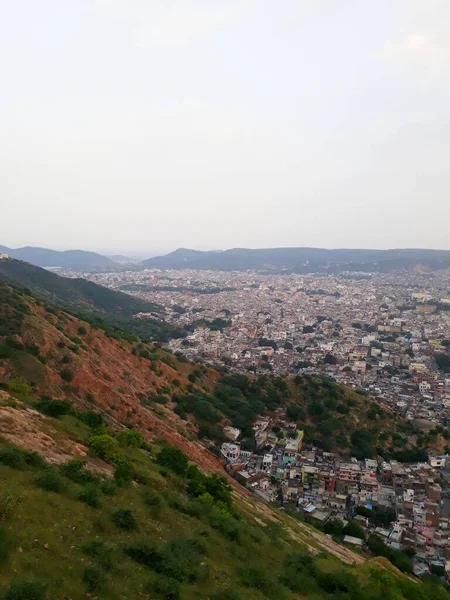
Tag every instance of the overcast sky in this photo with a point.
(145, 125)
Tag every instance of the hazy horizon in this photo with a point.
(140, 127)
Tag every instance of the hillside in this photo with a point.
(67, 259)
(301, 260)
(86, 298)
(132, 519)
(106, 514)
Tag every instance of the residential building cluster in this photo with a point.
(321, 486)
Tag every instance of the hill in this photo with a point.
(86, 298)
(301, 260)
(94, 503)
(67, 259)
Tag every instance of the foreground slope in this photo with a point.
(122, 518)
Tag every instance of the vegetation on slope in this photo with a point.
(333, 417)
(86, 299)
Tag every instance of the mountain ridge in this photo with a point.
(69, 259)
(301, 259)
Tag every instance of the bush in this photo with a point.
(93, 577)
(145, 552)
(109, 488)
(123, 473)
(102, 553)
(19, 386)
(165, 588)
(131, 438)
(90, 495)
(173, 459)
(54, 408)
(254, 577)
(8, 504)
(75, 471)
(181, 558)
(12, 457)
(66, 375)
(6, 545)
(124, 519)
(50, 481)
(226, 594)
(104, 446)
(154, 501)
(354, 529)
(24, 590)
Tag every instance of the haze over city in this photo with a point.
(145, 126)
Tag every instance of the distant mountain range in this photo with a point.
(277, 260)
(68, 259)
(302, 260)
(87, 299)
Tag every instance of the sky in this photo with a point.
(141, 126)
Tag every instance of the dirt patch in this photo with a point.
(25, 427)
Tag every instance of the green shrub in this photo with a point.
(19, 386)
(131, 438)
(91, 418)
(54, 408)
(181, 558)
(75, 471)
(123, 473)
(108, 487)
(226, 594)
(66, 375)
(154, 501)
(93, 577)
(24, 590)
(164, 587)
(90, 495)
(50, 481)
(12, 457)
(104, 446)
(145, 552)
(174, 459)
(254, 577)
(102, 553)
(124, 519)
(8, 504)
(6, 545)
(338, 582)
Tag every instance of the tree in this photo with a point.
(354, 529)
(443, 362)
(330, 360)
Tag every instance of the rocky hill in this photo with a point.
(145, 510)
